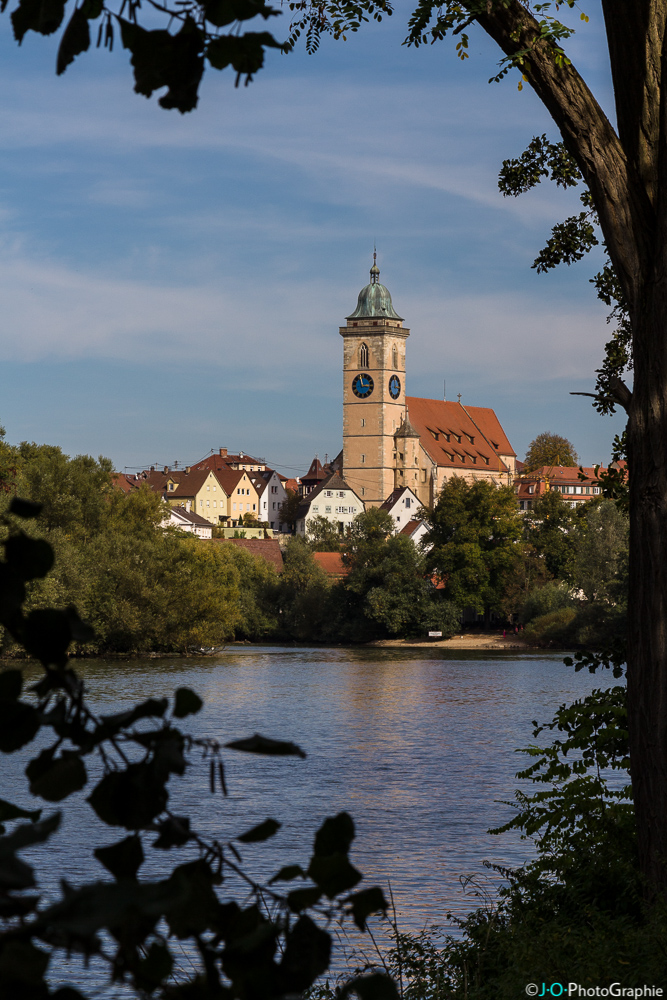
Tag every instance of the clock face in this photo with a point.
(394, 386)
(362, 386)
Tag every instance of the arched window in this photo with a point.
(363, 356)
(394, 357)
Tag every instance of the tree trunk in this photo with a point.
(647, 653)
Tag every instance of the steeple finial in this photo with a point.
(375, 270)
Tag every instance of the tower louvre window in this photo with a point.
(394, 357)
(363, 356)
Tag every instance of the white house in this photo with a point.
(416, 530)
(187, 520)
(272, 494)
(332, 499)
(402, 505)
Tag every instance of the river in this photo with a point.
(418, 745)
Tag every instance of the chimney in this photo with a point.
(187, 470)
(152, 468)
(223, 453)
(166, 469)
(240, 454)
(444, 391)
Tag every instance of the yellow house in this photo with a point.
(242, 496)
(199, 491)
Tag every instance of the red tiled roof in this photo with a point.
(266, 548)
(438, 419)
(218, 462)
(124, 482)
(332, 563)
(410, 527)
(187, 483)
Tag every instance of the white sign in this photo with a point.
(435, 635)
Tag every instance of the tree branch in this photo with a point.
(625, 211)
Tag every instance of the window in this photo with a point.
(596, 489)
(363, 422)
(254, 506)
(363, 491)
(247, 506)
(274, 505)
(408, 501)
(327, 510)
(316, 509)
(394, 357)
(215, 503)
(208, 503)
(363, 459)
(208, 488)
(342, 494)
(329, 493)
(363, 356)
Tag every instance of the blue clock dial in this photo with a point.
(362, 386)
(394, 387)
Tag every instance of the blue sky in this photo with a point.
(172, 284)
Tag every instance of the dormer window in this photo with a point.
(363, 356)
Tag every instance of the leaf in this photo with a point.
(163, 60)
(19, 724)
(287, 873)
(22, 965)
(223, 12)
(306, 956)
(74, 41)
(43, 16)
(54, 778)
(151, 708)
(335, 835)
(333, 874)
(25, 508)
(30, 558)
(131, 798)
(11, 683)
(174, 832)
(376, 986)
(123, 859)
(260, 832)
(155, 967)
(264, 745)
(302, 899)
(186, 702)
(9, 811)
(365, 902)
(245, 53)
(47, 634)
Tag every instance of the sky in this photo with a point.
(172, 284)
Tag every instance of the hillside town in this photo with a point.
(398, 452)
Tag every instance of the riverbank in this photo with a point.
(467, 640)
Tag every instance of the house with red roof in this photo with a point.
(566, 480)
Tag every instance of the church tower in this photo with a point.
(373, 391)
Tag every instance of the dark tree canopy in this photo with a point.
(550, 449)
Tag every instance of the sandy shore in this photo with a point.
(470, 640)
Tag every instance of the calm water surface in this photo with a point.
(418, 745)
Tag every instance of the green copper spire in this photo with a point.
(374, 299)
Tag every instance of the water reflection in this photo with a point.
(418, 745)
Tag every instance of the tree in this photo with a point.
(288, 509)
(323, 535)
(549, 529)
(550, 449)
(600, 568)
(474, 531)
